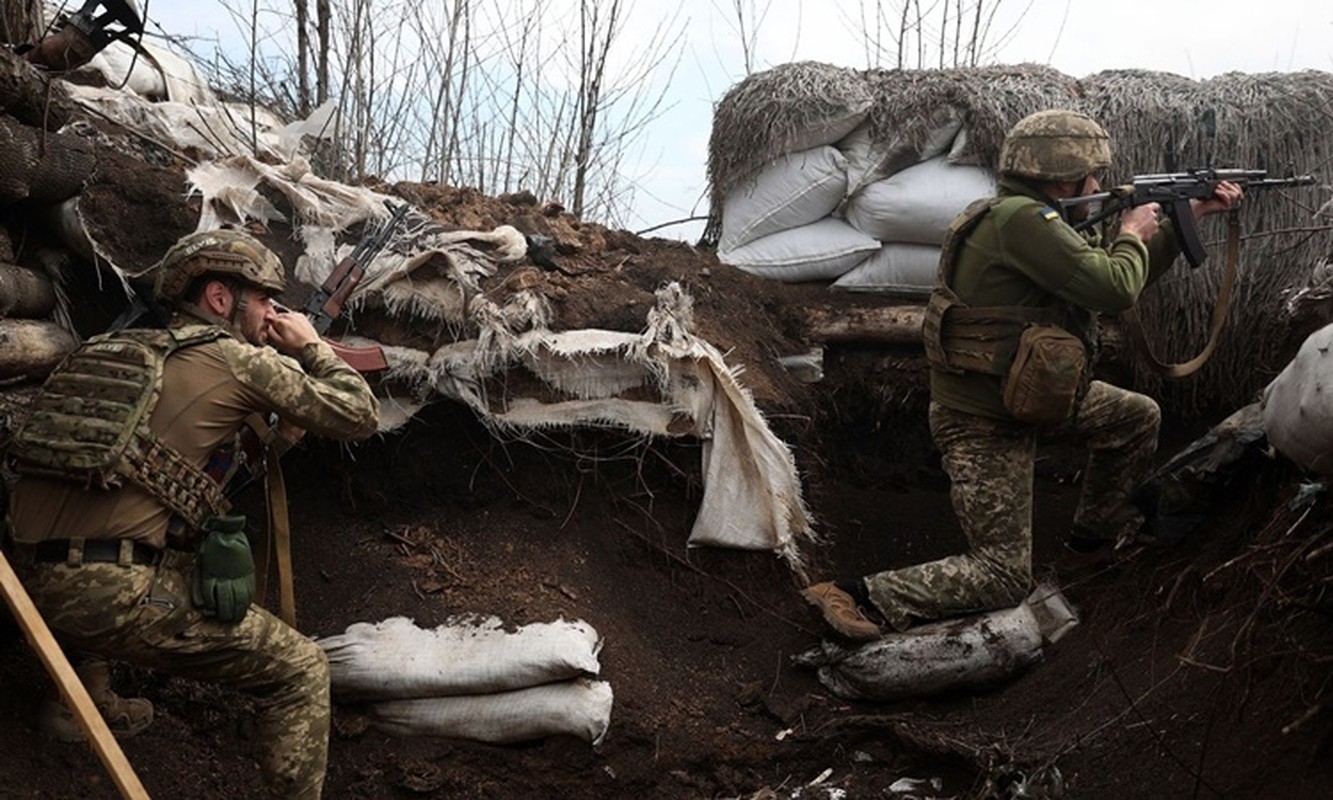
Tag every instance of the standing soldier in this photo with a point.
(119, 527)
(1010, 333)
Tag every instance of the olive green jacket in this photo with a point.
(1022, 253)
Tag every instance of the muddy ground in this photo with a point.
(1200, 670)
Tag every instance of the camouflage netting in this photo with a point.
(909, 104)
(1158, 122)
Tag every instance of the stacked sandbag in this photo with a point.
(472, 679)
(30, 344)
(908, 213)
(776, 177)
(921, 153)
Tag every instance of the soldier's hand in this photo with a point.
(1141, 221)
(289, 331)
(224, 581)
(1226, 196)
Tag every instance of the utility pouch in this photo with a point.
(224, 579)
(1046, 376)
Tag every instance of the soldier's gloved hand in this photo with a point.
(224, 581)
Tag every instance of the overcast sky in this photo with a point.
(1194, 38)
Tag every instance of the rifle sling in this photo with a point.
(281, 534)
(1134, 326)
(276, 544)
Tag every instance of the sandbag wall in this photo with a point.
(39, 167)
(859, 188)
(850, 177)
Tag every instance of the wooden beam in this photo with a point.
(71, 688)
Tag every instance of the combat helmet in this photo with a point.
(220, 252)
(1055, 145)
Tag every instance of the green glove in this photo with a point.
(224, 580)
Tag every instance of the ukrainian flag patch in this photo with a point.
(1049, 214)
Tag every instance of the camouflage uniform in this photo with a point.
(1022, 254)
(142, 613)
(990, 463)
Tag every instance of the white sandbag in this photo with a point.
(918, 203)
(793, 190)
(575, 708)
(869, 160)
(395, 658)
(818, 251)
(1297, 412)
(897, 268)
(968, 653)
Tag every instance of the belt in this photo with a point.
(61, 551)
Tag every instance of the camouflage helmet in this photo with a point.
(1055, 145)
(220, 252)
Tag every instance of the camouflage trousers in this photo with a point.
(143, 615)
(990, 467)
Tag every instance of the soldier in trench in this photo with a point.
(1010, 333)
(151, 569)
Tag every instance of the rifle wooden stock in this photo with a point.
(71, 688)
(362, 359)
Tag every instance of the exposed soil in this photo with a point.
(1198, 671)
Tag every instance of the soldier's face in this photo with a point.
(256, 314)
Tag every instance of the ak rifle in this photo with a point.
(1173, 191)
(326, 304)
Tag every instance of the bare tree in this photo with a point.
(302, 57)
(497, 94)
(322, 17)
(904, 34)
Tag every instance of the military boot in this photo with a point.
(125, 716)
(839, 611)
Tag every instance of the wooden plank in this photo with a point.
(71, 688)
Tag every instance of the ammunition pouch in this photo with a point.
(1047, 376)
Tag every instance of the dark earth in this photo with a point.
(1199, 670)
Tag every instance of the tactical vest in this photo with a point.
(960, 338)
(89, 424)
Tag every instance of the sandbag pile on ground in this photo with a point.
(472, 679)
(956, 655)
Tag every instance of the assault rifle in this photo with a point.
(1174, 190)
(326, 303)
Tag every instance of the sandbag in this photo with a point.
(918, 203)
(32, 348)
(575, 708)
(1297, 412)
(818, 251)
(962, 654)
(25, 292)
(397, 659)
(42, 166)
(869, 160)
(793, 190)
(895, 269)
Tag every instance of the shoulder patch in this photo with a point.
(1047, 213)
